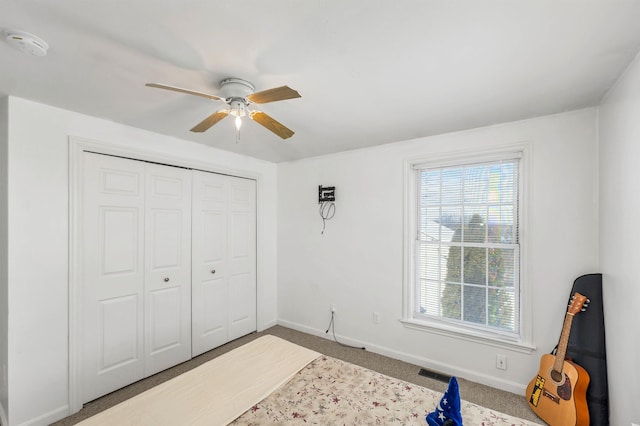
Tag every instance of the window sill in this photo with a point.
(469, 335)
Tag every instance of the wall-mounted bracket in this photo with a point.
(326, 193)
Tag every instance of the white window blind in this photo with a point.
(467, 252)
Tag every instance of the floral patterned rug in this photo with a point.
(329, 391)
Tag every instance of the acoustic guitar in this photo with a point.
(557, 394)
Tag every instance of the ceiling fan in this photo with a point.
(238, 94)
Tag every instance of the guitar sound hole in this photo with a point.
(556, 376)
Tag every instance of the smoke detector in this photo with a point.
(26, 42)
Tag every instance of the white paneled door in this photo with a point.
(167, 285)
(241, 252)
(224, 259)
(136, 271)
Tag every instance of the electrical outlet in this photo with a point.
(501, 362)
(334, 308)
(376, 317)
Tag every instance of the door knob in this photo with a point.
(166, 280)
(213, 271)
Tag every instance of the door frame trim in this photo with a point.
(77, 146)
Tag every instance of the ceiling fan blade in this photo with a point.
(187, 91)
(210, 121)
(271, 124)
(272, 95)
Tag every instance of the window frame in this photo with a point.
(518, 342)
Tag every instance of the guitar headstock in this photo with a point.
(578, 303)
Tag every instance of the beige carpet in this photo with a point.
(505, 402)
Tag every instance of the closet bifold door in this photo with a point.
(112, 274)
(136, 242)
(224, 259)
(167, 286)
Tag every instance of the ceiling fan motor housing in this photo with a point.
(235, 88)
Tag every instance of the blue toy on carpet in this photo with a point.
(447, 413)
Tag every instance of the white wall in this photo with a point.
(358, 263)
(4, 287)
(619, 126)
(38, 243)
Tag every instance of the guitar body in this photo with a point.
(559, 399)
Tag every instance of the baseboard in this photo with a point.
(505, 385)
(266, 325)
(48, 418)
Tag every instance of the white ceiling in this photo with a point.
(370, 72)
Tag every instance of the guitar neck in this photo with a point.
(564, 341)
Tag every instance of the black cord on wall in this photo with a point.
(331, 327)
(327, 211)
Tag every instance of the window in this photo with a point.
(465, 246)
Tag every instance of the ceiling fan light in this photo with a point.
(238, 122)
